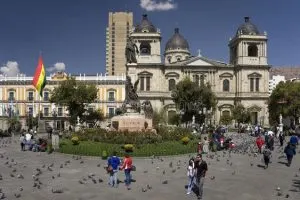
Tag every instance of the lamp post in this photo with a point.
(85, 114)
(54, 115)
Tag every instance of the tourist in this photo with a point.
(205, 146)
(281, 139)
(191, 175)
(28, 137)
(22, 142)
(201, 168)
(113, 168)
(294, 140)
(127, 166)
(290, 151)
(267, 156)
(259, 142)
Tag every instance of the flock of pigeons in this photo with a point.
(245, 145)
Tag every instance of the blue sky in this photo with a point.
(71, 33)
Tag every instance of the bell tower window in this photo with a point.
(226, 85)
(252, 50)
(145, 48)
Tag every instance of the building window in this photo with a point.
(59, 112)
(202, 80)
(257, 84)
(196, 79)
(90, 109)
(113, 73)
(46, 112)
(46, 96)
(172, 84)
(111, 112)
(11, 96)
(147, 83)
(111, 96)
(142, 84)
(251, 84)
(252, 50)
(226, 85)
(30, 96)
(226, 113)
(145, 48)
(30, 111)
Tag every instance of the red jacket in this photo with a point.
(127, 164)
(259, 142)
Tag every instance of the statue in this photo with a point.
(130, 51)
(131, 97)
(78, 120)
(147, 108)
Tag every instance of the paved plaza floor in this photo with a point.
(244, 179)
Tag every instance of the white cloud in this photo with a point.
(60, 66)
(153, 5)
(11, 68)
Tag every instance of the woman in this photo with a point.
(191, 175)
(127, 166)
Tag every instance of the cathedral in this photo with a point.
(244, 79)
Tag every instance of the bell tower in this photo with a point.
(249, 46)
(147, 38)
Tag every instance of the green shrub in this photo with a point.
(128, 147)
(104, 155)
(75, 140)
(185, 140)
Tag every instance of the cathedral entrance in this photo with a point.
(254, 117)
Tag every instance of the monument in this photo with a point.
(131, 118)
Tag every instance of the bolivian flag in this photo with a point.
(39, 79)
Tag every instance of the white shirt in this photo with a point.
(28, 136)
(190, 171)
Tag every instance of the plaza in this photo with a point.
(243, 179)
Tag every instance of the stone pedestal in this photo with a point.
(55, 141)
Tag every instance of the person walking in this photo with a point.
(205, 146)
(113, 168)
(281, 139)
(259, 143)
(127, 166)
(267, 156)
(191, 175)
(290, 151)
(201, 169)
(22, 142)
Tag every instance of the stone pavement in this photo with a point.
(241, 177)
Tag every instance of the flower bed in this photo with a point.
(90, 148)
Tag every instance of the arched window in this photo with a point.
(226, 113)
(145, 48)
(252, 50)
(169, 59)
(172, 84)
(226, 85)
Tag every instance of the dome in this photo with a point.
(177, 41)
(247, 28)
(145, 26)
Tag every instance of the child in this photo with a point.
(191, 175)
(267, 155)
(22, 142)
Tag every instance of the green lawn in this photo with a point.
(160, 149)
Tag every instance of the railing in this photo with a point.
(11, 98)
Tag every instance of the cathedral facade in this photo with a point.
(244, 79)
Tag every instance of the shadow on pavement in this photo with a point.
(283, 163)
(261, 166)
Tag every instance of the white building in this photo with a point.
(273, 82)
(245, 79)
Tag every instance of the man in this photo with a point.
(281, 138)
(201, 169)
(290, 151)
(113, 168)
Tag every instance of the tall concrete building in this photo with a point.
(117, 32)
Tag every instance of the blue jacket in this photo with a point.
(114, 162)
(290, 150)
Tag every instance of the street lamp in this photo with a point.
(85, 114)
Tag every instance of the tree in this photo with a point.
(192, 98)
(159, 117)
(14, 124)
(240, 114)
(226, 119)
(74, 95)
(94, 116)
(32, 121)
(285, 100)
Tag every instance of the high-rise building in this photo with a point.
(117, 33)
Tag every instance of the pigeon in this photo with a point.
(81, 182)
(287, 196)
(212, 178)
(20, 176)
(165, 182)
(145, 171)
(233, 173)
(144, 190)
(35, 184)
(61, 166)
(99, 165)
(49, 168)
(91, 175)
(279, 193)
(43, 166)
(164, 172)
(94, 180)
(57, 190)
(100, 180)
(171, 164)
(296, 175)
(17, 195)
(52, 164)
(21, 188)
(149, 187)
(53, 177)
(12, 175)
(278, 189)
(58, 175)
(81, 162)
(174, 170)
